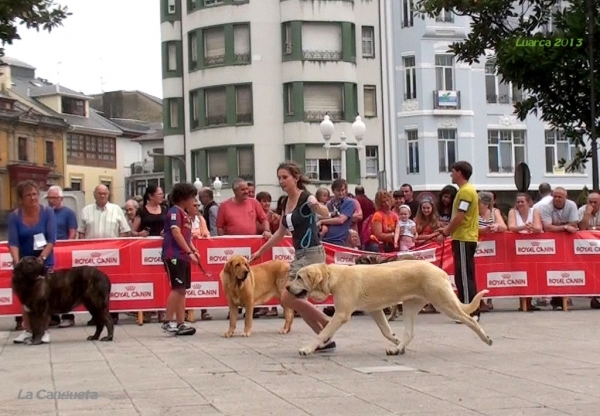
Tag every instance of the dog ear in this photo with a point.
(319, 274)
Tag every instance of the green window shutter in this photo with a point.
(200, 166)
(350, 101)
(352, 166)
(229, 44)
(299, 155)
(231, 104)
(348, 42)
(232, 163)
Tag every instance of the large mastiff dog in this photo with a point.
(374, 287)
(60, 292)
(249, 286)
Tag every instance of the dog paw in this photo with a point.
(246, 334)
(392, 351)
(228, 334)
(92, 338)
(305, 351)
(106, 338)
(284, 331)
(489, 341)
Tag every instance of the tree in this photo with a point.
(33, 14)
(555, 73)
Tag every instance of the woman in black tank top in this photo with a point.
(298, 217)
(150, 218)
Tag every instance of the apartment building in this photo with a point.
(455, 111)
(246, 84)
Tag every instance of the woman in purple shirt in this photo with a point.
(31, 232)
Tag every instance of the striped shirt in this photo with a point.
(176, 218)
(106, 222)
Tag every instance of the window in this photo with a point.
(322, 41)
(171, 8)
(76, 184)
(444, 72)
(214, 46)
(108, 184)
(412, 143)
(194, 113)
(173, 114)
(49, 152)
(23, 154)
(372, 161)
(506, 149)
(289, 99)
(321, 99)
(94, 151)
(193, 42)
(497, 91)
(445, 16)
(323, 170)
(218, 165)
(287, 27)
(370, 101)
(559, 147)
(368, 42)
(216, 106)
(212, 2)
(243, 103)
(407, 13)
(245, 160)
(172, 57)
(158, 161)
(73, 106)
(241, 43)
(446, 149)
(410, 79)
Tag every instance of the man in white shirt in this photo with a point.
(545, 191)
(589, 219)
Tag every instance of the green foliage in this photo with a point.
(33, 14)
(556, 78)
(582, 197)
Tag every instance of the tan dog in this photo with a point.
(248, 286)
(373, 287)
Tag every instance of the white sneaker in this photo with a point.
(23, 337)
(46, 338)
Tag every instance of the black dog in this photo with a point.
(60, 292)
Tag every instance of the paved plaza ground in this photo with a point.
(541, 364)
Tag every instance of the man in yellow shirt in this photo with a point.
(464, 230)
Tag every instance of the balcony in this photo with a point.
(318, 116)
(242, 58)
(214, 60)
(446, 100)
(323, 56)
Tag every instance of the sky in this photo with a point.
(104, 45)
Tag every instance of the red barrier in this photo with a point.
(509, 265)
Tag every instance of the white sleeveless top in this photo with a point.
(520, 222)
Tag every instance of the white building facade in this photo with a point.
(445, 111)
(247, 82)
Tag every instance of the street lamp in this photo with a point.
(358, 130)
(217, 184)
(198, 184)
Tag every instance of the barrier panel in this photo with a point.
(508, 264)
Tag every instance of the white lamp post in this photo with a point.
(198, 184)
(358, 131)
(217, 184)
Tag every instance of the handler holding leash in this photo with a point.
(298, 217)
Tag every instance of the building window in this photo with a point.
(22, 150)
(445, 16)
(321, 41)
(218, 165)
(76, 184)
(506, 149)
(214, 46)
(241, 44)
(49, 152)
(243, 103)
(172, 57)
(410, 78)
(370, 101)
(216, 106)
(412, 151)
(496, 90)
(193, 45)
(323, 170)
(245, 161)
(322, 99)
(289, 99)
(446, 149)
(171, 7)
(558, 148)
(368, 42)
(194, 110)
(444, 72)
(372, 161)
(91, 151)
(173, 114)
(73, 106)
(208, 3)
(407, 13)
(287, 27)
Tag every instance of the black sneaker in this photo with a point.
(327, 346)
(185, 329)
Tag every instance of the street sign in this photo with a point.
(522, 177)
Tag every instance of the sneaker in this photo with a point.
(476, 317)
(169, 327)
(23, 337)
(185, 329)
(46, 338)
(66, 323)
(327, 346)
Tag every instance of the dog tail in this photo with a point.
(472, 307)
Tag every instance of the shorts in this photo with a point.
(179, 273)
(306, 257)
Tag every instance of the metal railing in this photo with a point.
(438, 105)
(216, 120)
(214, 60)
(322, 55)
(503, 99)
(320, 115)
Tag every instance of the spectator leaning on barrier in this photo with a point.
(589, 219)
(131, 209)
(545, 193)
(66, 229)
(31, 232)
(239, 215)
(341, 209)
(366, 205)
(211, 209)
(103, 219)
(464, 230)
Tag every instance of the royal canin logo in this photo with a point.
(536, 247)
(152, 257)
(129, 288)
(132, 291)
(581, 246)
(506, 279)
(197, 286)
(222, 255)
(6, 261)
(506, 276)
(565, 274)
(228, 252)
(205, 290)
(96, 258)
(565, 278)
(95, 254)
(594, 243)
(535, 243)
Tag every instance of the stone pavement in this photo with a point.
(542, 363)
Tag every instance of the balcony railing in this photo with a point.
(216, 120)
(242, 58)
(503, 99)
(318, 116)
(244, 118)
(214, 60)
(322, 55)
(446, 100)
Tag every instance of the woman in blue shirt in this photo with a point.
(31, 232)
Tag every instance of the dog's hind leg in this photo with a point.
(110, 325)
(386, 330)
(454, 310)
(410, 310)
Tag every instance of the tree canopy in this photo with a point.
(33, 14)
(540, 49)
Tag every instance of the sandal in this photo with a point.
(429, 308)
(272, 313)
(205, 316)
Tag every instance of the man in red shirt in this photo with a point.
(240, 214)
(367, 206)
